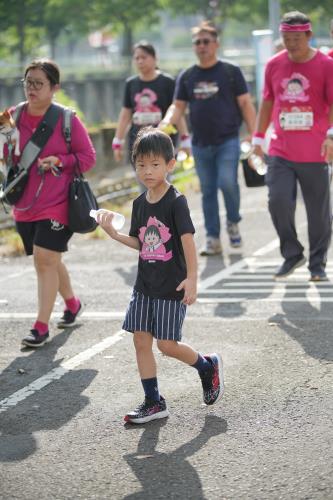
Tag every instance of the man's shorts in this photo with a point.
(47, 233)
(160, 317)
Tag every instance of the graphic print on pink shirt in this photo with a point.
(295, 117)
(294, 88)
(153, 236)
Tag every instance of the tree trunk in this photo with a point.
(53, 45)
(127, 47)
(21, 37)
(127, 41)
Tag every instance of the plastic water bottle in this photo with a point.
(256, 161)
(245, 149)
(118, 219)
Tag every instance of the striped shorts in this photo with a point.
(160, 317)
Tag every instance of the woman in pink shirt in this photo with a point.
(41, 214)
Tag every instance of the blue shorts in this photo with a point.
(160, 317)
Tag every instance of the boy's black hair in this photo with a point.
(151, 141)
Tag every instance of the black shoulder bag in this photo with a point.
(81, 200)
(17, 175)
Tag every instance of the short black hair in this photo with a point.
(295, 17)
(205, 27)
(50, 68)
(146, 47)
(152, 141)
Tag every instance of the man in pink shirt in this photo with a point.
(298, 99)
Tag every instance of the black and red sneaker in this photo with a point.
(148, 410)
(212, 379)
(35, 339)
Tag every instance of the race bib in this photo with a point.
(296, 120)
(147, 117)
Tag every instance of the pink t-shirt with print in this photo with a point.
(302, 94)
(52, 202)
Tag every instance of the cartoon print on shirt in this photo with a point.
(56, 226)
(146, 112)
(294, 88)
(153, 236)
(205, 90)
(294, 114)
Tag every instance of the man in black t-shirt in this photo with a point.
(218, 100)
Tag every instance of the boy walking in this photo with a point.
(162, 231)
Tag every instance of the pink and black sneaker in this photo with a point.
(35, 339)
(148, 410)
(68, 319)
(212, 379)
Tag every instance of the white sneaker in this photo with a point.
(234, 234)
(212, 247)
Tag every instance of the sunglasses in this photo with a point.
(202, 41)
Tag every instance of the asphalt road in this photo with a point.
(62, 406)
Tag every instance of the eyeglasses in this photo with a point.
(202, 41)
(29, 83)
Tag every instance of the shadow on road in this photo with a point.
(33, 363)
(48, 408)
(316, 341)
(128, 276)
(170, 473)
(238, 307)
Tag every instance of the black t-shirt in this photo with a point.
(211, 94)
(148, 101)
(159, 227)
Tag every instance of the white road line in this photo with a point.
(17, 275)
(226, 272)
(59, 372)
(85, 314)
(230, 300)
(262, 290)
(291, 285)
(223, 274)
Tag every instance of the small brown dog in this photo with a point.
(8, 133)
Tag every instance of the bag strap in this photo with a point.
(67, 117)
(230, 71)
(40, 137)
(16, 114)
(34, 146)
(77, 169)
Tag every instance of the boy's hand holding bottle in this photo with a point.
(110, 221)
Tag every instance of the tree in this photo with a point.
(219, 11)
(20, 22)
(124, 16)
(65, 15)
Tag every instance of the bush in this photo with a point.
(62, 98)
